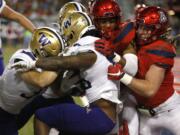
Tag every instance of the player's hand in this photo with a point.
(22, 66)
(115, 72)
(105, 47)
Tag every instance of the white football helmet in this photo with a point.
(46, 42)
(67, 9)
(75, 25)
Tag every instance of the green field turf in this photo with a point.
(7, 52)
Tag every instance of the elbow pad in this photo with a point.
(131, 66)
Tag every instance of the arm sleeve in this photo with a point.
(22, 55)
(131, 65)
(162, 56)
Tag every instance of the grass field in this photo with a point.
(8, 51)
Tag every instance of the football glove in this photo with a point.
(104, 47)
(22, 66)
(115, 72)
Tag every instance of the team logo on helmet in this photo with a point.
(67, 23)
(163, 17)
(46, 42)
(43, 40)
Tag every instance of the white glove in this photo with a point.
(23, 66)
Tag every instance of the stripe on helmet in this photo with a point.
(87, 18)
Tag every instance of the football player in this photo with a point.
(118, 46)
(100, 116)
(9, 13)
(48, 97)
(158, 102)
(19, 88)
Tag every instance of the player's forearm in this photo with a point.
(49, 63)
(81, 61)
(39, 79)
(142, 87)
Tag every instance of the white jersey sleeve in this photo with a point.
(2, 5)
(14, 92)
(22, 55)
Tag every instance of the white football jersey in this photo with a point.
(14, 92)
(2, 5)
(101, 86)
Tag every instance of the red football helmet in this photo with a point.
(105, 11)
(154, 19)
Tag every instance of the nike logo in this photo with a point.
(119, 73)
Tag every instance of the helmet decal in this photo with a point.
(46, 42)
(163, 17)
(43, 40)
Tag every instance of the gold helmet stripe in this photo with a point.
(87, 17)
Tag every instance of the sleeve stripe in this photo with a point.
(29, 54)
(124, 33)
(163, 65)
(162, 53)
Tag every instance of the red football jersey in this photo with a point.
(162, 54)
(123, 36)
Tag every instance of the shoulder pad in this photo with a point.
(22, 54)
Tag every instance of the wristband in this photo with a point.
(116, 58)
(126, 79)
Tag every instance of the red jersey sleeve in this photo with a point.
(162, 54)
(124, 37)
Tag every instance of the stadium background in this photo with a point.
(44, 13)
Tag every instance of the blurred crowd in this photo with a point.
(44, 13)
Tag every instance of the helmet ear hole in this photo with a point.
(71, 35)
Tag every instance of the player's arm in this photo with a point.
(129, 60)
(150, 85)
(146, 87)
(9, 13)
(79, 61)
(39, 79)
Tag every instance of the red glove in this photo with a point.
(115, 72)
(104, 47)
